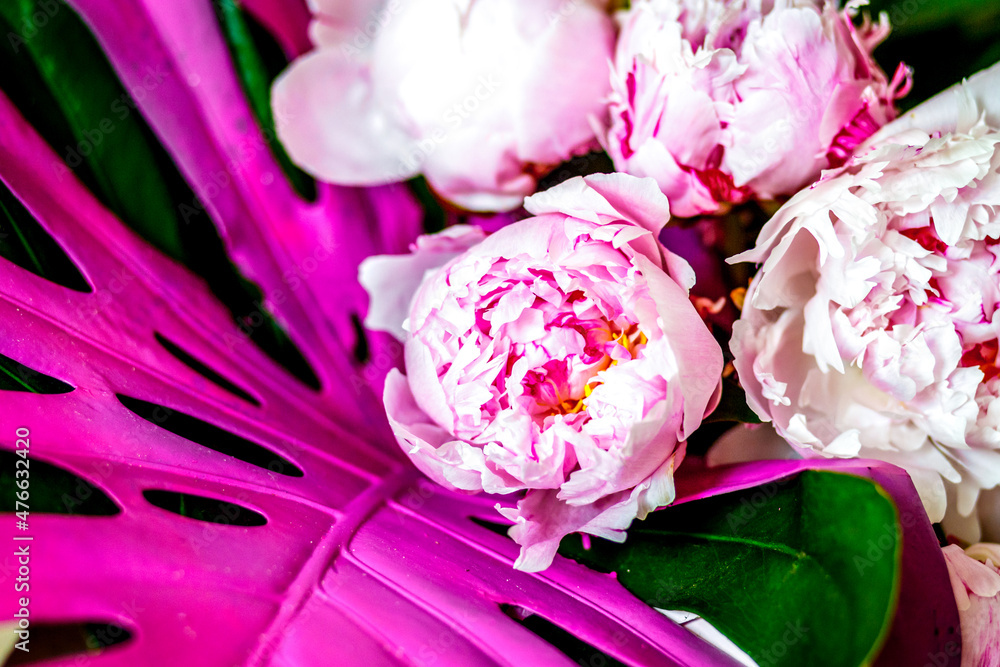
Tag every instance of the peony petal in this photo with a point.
(941, 112)
(333, 125)
(569, 71)
(349, 25)
(698, 354)
(637, 200)
(393, 280)
(749, 442)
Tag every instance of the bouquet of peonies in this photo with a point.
(498, 332)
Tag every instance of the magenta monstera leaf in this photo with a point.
(319, 543)
(252, 515)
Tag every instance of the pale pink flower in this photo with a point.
(560, 356)
(975, 579)
(725, 100)
(482, 97)
(871, 329)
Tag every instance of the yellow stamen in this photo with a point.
(570, 406)
(738, 296)
(571, 409)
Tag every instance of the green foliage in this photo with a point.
(943, 41)
(53, 490)
(803, 571)
(733, 406)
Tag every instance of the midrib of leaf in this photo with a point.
(690, 527)
(767, 546)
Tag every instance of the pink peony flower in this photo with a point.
(559, 356)
(725, 100)
(871, 329)
(481, 97)
(975, 579)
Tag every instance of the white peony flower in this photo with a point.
(483, 98)
(871, 329)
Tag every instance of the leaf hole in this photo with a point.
(26, 243)
(362, 349)
(941, 536)
(210, 436)
(203, 370)
(15, 376)
(576, 649)
(49, 641)
(498, 528)
(54, 490)
(201, 508)
(246, 304)
(435, 217)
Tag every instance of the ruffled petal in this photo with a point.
(392, 280)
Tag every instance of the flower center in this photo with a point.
(566, 390)
(952, 291)
(983, 355)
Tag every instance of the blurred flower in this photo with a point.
(560, 355)
(481, 97)
(975, 579)
(871, 329)
(725, 100)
